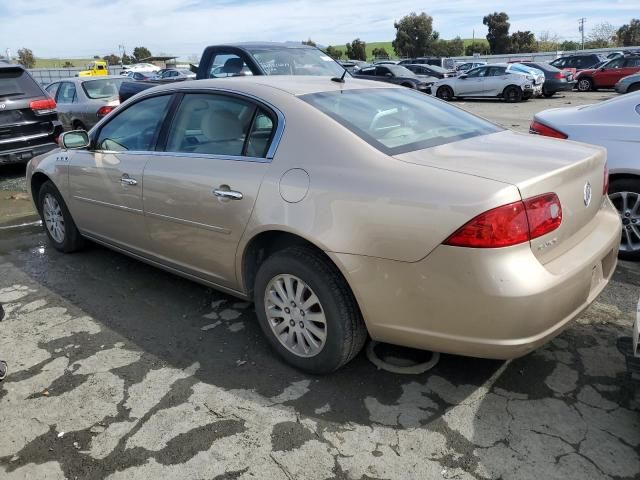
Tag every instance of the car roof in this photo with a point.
(263, 45)
(291, 84)
(87, 79)
(3, 64)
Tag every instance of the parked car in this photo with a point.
(430, 70)
(82, 101)
(485, 242)
(141, 67)
(578, 62)
(396, 74)
(255, 58)
(436, 61)
(29, 123)
(495, 80)
(615, 125)
(628, 84)
(465, 67)
(141, 76)
(536, 73)
(608, 74)
(353, 65)
(386, 62)
(555, 80)
(175, 74)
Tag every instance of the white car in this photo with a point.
(141, 67)
(495, 80)
(615, 125)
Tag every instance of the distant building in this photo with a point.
(162, 62)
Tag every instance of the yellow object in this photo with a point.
(95, 69)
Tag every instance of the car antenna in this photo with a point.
(341, 79)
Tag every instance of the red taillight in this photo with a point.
(538, 128)
(558, 75)
(511, 224)
(42, 107)
(605, 183)
(102, 111)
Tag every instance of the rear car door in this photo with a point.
(495, 80)
(200, 191)
(105, 181)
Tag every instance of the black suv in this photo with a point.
(29, 123)
(582, 61)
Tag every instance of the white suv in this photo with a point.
(495, 80)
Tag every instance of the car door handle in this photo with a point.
(226, 193)
(127, 180)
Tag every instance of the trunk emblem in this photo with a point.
(587, 194)
(2, 105)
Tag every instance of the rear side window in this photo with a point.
(17, 83)
(399, 120)
(134, 128)
(66, 93)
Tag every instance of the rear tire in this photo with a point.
(585, 85)
(445, 93)
(625, 196)
(285, 285)
(58, 224)
(512, 94)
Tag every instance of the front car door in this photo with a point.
(609, 74)
(106, 181)
(199, 192)
(472, 84)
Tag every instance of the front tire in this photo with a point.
(512, 94)
(445, 93)
(58, 224)
(624, 193)
(307, 311)
(585, 85)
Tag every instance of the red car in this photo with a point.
(608, 74)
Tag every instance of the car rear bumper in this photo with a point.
(491, 303)
(558, 86)
(25, 153)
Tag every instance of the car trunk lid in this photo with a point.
(535, 165)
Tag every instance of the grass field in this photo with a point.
(59, 62)
(387, 46)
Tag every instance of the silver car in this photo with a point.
(496, 80)
(82, 101)
(628, 84)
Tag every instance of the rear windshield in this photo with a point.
(103, 88)
(296, 61)
(399, 120)
(16, 83)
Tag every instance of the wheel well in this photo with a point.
(265, 244)
(633, 85)
(620, 176)
(37, 180)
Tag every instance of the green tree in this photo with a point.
(111, 59)
(379, 52)
(127, 59)
(140, 53)
(523, 42)
(498, 32)
(334, 52)
(68, 64)
(628, 35)
(477, 47)
(357, 50)
(26, 58)
(414, 35)
(568, 45)
(447, 48)
(309, 42)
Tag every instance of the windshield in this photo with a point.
(399, 120)
(296, 61)
(103, 88)
(16, 83)
(437, 69)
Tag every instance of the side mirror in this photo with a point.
(74, 140)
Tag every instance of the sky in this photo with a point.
(84, 28)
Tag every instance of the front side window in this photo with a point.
(559, 63)
(382, 71)
(399, 120)
(616, 63)
(496, 71)
(476, 72)
(66, 93)
(228, 65)
(135, 128)
(368, 71)
(212, 124)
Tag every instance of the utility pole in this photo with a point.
(581, 22)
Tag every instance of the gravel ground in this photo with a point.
(119, 370)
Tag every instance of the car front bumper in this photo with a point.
(491, 303)
(621, 87)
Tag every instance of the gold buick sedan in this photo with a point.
(343, 210)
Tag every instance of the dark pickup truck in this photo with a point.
(263, 58)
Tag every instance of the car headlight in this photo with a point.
(530, 78)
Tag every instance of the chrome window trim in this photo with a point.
(273, 147)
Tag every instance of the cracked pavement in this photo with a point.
(121, 371)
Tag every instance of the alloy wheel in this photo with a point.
(584, 85)
(295, 315)
(628, 206)
(53, 218)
